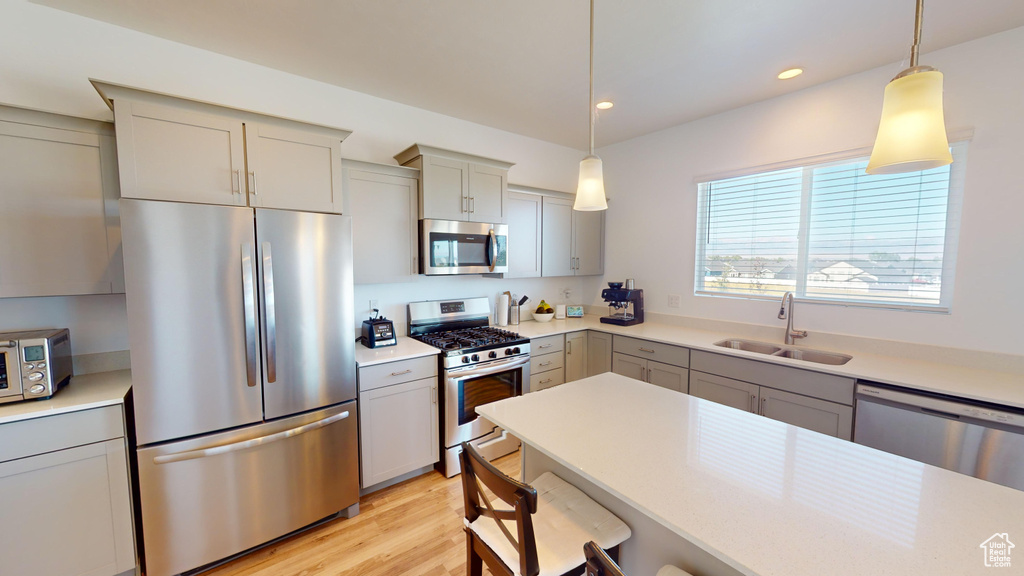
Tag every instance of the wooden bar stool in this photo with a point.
(544, 531)
(599, 563)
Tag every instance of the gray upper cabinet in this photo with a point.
(458, 186)
(58, 206)
(293, 169)
(524, 235)
(557, 236)
(182, 150)
(573, 242)
(383, 203)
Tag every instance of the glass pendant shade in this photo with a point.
(912, 132)
(590, 193)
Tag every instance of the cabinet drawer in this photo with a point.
(372, 377)
(664, 353)
(60, 431)
(806, 382)
(546, 362)
(547, 345)
(546, 380)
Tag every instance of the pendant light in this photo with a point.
(912, 132)
(590, 192)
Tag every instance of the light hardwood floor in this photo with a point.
(413, 528)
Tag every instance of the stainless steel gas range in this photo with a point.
(479, 364)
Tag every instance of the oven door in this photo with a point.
(10, 372)
(451, 247)
(467, 388)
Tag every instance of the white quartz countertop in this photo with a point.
(765, 497)
(984, 385)
(405, 349)
(82, 393)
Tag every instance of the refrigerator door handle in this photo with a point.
(270, 317)
(236, 446)
(248, 300)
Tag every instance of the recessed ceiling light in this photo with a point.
(604, 105)
(791, 73)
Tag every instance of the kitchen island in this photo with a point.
(721, 491)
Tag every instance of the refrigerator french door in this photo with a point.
(242, 368)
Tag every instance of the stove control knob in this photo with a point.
(516, 350)
(476, 358)
(465, 359)
(493, 354)
(508, 352)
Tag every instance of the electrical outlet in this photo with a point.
(673, 300)
(374, 304)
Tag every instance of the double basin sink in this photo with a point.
(804, 354)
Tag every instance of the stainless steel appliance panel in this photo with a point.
(456, 247)
(10, 371)
(500, 379)
(190, 279)
(208, 498)
(306, 295)
(978, 441)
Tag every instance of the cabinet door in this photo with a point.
(588, 242)
(164, 153)
(58, 192)
(384, 222)
(810, 413)
(575, 356)
(599, 353)
(735, 393)
(292, 169)
(487, 190)
(556, 238)
(445, 188)
(398, 430)
(629, 366)
(668, 376)
(524, 235)
(68, 512)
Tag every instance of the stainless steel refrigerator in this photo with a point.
(243, 375)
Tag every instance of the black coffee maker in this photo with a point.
(625, 305)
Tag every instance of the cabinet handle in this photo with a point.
(753, 404)
(643, 374)
(577, 263)
(568, 347)
(238, 182)
(464, 205)
(764, 405)
(433, 394)
(255, 189)
(648, 350)
(543, 346)
(402, 372)
(548, 363)
(544, 381)
(472, 204)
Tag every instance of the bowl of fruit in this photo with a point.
(544, 312)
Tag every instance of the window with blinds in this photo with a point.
(831, 232)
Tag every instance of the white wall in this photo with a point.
(651, 225)
(49, 56)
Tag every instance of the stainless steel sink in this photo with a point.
(749, 346)
(803, 354)
(816, 356)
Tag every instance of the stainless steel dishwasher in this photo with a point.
(972, 438)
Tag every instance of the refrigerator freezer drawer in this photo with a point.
(207, 498)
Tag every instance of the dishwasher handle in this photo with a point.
(942, 406)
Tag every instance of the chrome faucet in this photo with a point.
(790, 333)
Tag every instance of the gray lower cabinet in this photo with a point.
(547, 362)
(576, 355)
(660, 364)
(804, 398)
(599, 353)
(65, 495)
(398, 426)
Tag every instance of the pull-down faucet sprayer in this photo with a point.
(790, 332)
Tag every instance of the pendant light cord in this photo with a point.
(591, 112)
(917, 35)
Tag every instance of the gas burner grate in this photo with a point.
(469, 338)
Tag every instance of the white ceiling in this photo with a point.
(522, 65)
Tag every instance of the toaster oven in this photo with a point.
(34, 364)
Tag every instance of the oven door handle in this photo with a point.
(475, 372)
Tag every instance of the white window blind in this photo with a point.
(831, 232)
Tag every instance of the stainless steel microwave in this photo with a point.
(34, 364)
(452, 247)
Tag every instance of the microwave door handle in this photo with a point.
(269, 308)
(494, 249)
